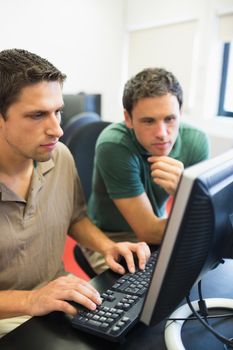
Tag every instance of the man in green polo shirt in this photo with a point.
(138, 162)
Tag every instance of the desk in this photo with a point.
(54, 332)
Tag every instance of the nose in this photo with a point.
(161, 130)
(53, 127)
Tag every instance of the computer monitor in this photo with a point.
(199, 234)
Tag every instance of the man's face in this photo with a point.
(155, 121)
(32, 126)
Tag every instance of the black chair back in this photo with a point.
(82, 146)
(75, 123)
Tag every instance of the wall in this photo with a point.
(90, 41)
(185, 40)
(82, 38)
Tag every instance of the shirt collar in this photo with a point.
(45, 167)
(176, 149)
(41, 169)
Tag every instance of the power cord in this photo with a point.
(201, 318)
(228, 347)
(193, 318)
(202, 304)
(203, 310)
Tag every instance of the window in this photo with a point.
(226, 88)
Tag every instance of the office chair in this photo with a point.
(82, 146)
(75, 123)
(78, 103)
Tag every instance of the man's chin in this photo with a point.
(43, 158)
(159, 152)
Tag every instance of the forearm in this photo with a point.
(88, 235)
(13, 303)
(152, 231)
(139, 214)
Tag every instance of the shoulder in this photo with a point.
(62, 156)
(61, 151)
(116, 133)
(193, 145)
(117, 139)
(116, 142)
(188, 131)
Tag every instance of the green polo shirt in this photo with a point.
(121, 170)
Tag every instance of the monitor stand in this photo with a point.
(173, 328)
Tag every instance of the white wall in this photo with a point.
(83, 38)
(90, 41)
(199, 71)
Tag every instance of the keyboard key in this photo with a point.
(121, 306)
(93, 323)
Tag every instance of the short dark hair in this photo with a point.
(150, 82)
(20, 68)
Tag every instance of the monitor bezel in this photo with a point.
(172, 229)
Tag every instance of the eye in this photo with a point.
(59, 111)
(170, 119)
(148, 121)
(37, 115)
(59, 114)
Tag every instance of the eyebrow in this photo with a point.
(42, 110)
(156, 118)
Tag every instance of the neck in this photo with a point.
(16, 175)
(13, 163)
(11, 166)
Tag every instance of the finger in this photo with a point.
(143, 253)
(86, 299)
(175, 168)
(89, 292)
(76, 282)
(164, 159)
(72, 282)
(114, 265)
(167, 181)
(66, 307)
(78, 290)
(128, 255)
(168, 168)
(161, 174)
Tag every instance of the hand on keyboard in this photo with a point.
(126, 250)
(121, 305)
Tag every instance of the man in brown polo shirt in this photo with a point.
(41, 200)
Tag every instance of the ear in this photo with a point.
(128, 120)
(1, 120)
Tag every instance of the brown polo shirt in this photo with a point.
(33, 232)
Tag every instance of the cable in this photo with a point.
(202, 304)
(195, 318)
(226, 347)
(205, 324)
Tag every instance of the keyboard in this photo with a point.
(121, 306)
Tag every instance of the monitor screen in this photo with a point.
(198, 235)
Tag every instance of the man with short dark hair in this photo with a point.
(41, 199)
(138, 163)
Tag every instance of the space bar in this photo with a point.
(93, 323)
